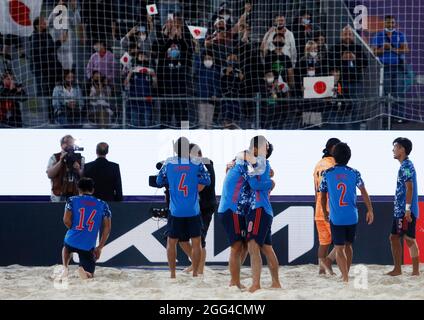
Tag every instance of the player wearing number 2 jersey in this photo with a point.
(84, 215)
(185, 178)
(340, 182)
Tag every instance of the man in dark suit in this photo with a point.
(106, 175)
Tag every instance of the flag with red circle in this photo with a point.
(318, 87)
(152, 9)
(125, 59)
(198, 32)
(17, 16)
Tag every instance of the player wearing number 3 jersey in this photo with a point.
(84, 215)
(185, 178)
(340, 182)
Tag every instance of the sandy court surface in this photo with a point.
(299, 282)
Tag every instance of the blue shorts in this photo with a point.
(86, 258)
(342, 235)
(206, 221)
(234, 225)
(259, 226)
(182, 228)
(402, 227)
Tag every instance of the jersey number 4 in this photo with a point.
(182, 187)
(342, 186)
(90, 221)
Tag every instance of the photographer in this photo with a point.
(65, 169)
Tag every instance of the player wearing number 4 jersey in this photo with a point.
(185, 178)
(340, 182)
(84, 215)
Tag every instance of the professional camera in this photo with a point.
(152, 179)
(71, 156)
(159, 213)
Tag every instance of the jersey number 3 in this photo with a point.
(182, 187)
(342, 186)
(90, 221)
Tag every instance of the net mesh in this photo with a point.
(234, 64)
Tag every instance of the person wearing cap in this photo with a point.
(323, 227)
(406, 211)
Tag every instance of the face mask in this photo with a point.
(311, 73)
(208, 63)
(174, 53)
(306, 21)
(143, 37)
(389, 30)
(280, 26)
(97, 49)
(278, 44)
(313, 54)
(270, 80)
(226, 17)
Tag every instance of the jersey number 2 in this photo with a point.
(342, 186)
(182, 187)
(90, 221)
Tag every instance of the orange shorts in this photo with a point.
(324, 232)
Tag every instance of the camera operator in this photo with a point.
(65, 169)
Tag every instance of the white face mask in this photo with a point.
(269, 80)
(389, 30)
(311, 73)
(143, 37)
(313, 54)
(208, 63)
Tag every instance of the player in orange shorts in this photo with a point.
(323, 226)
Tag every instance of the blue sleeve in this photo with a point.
(68, 205)
(106, 211)
(402, 38)
(377, 41)
(259, 184)
(162, 178)
(204, 176)
(323, 187)
(407, 172)
(359, 182)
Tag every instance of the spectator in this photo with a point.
(67, 53)
(390, 46)
(10, 110)
(139, 38)
(99, 20)
(350, 59)
(101, 110)
(208, 88)
(289, 39)
(104, 62)
(279, 63)
(47, 69)
(310, 65)
(304, 30)
(231, 79)
(128, 13)
(321, 40)
(140, 82)
(67, 101)
(106, 175)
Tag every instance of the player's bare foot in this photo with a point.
(415, 273)
(84, 275)
(327, 266)
(394, 273)
(173, 275)
(188, 269)
(254, 288)
(64, 273)
(276, 285)
(321, 271)
(238, 285)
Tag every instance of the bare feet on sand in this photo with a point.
(254, 288)
(394, 273)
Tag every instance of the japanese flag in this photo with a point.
(198, 32)
(17, 16)
(283, 86)
(318, 87)
(152, 9)
(126, 59)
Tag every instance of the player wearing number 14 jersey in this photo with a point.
(340, 182)
(84, 215)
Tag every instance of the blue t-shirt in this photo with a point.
(183, 177)
(406, 173)
(261, 185)
(396, 39)
(341, 182)
(88, 213)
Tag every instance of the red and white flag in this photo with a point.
(198, 32)
(17, 16)
(126, 59)
(318, 87)
(152, 9)
(283, 86)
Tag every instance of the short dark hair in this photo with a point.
(405, 143)
(195, 147)
(102, 148)
(67, 137)
(86, 185)
(36, 23)
(329, 145)
(182, 147)
(389, 17)
(342, 153)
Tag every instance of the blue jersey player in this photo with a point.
(405, 209)
(84, 216)
(340, 183)
(185, 178)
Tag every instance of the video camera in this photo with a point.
(71, 156)
(159, 212)
(152, 179)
